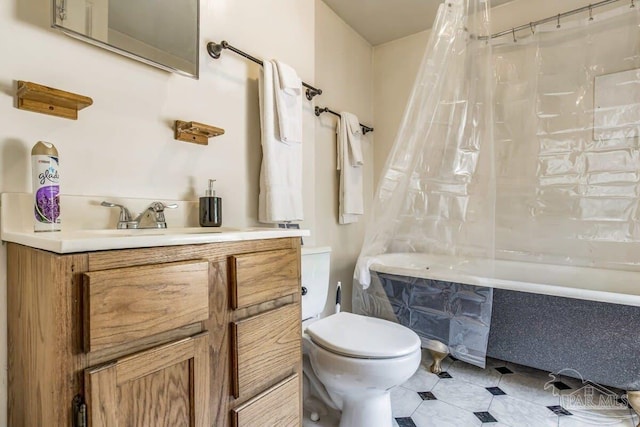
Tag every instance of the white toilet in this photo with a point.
(353, 361)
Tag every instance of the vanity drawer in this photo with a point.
(125, 304)
(267, 347)
(264, 276)
(278, 406)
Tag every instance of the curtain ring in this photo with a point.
(558, 26)
(533, 29)
(591, 13)
(513, 31)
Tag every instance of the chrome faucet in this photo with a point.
(151, 217)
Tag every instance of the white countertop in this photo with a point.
(16, 226)
(64, 242)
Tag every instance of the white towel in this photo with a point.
(288, 79)
(288, 102)
(354, 131)
(350, 161)
(280, 196)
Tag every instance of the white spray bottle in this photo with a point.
(46, 187)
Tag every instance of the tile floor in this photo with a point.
(502, 394)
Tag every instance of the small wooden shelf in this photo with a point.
(198, 133)
(46, 100)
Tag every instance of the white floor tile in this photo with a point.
(584, 419)
(434, 413)
(487, 377)
(594, 399)
(404, 402)
(458, 397)
(579, 383)
(446, 363)
(530, 388)
(527, 370)
(462, 394)
(519, 413)
(422, 380)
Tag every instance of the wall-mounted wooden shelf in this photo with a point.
(46, 100)
(198, 133)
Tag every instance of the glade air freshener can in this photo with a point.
(46, 187)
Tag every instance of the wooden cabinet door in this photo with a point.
(167, 386)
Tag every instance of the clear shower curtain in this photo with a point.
(559, 183)
(567, 122)
(436, 194)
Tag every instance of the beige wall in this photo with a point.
(344, 70)
(396, 64)
(394, 70)
(123, 145)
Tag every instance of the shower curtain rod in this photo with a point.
(214, 50)
(320, 110)
(531, 25)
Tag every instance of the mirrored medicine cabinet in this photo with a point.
(162, 33)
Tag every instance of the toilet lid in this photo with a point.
(361, 336)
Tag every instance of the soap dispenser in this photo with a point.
(210, 208)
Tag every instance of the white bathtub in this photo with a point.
(611, 286)
(549, 317)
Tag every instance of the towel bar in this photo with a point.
(215, 49)
(320, 110)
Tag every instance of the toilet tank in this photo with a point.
(315, 265)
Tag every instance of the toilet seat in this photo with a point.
(353, 335)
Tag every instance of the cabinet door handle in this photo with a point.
(304, 291)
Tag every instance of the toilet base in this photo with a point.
(367, 410)
(328, 417)
(371, 409)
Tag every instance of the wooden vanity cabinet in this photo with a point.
(195, 335)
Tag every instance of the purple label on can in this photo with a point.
(47, 208)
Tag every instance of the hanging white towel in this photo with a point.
(288, 94)
(350, 161)
(354, 132)
(280, 196)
